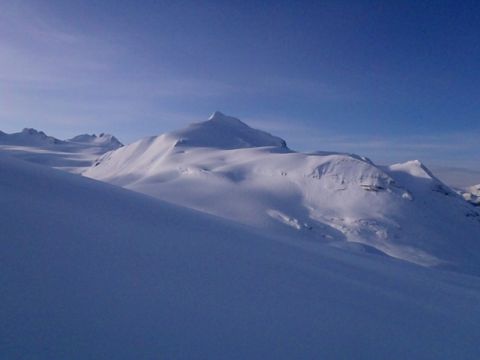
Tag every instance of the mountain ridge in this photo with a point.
(74, 155)
(30, 136)
(335, 198)
(106, 140)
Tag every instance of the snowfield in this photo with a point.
(225, 168)
(93, 271)
(73, 155)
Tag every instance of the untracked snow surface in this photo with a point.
(92, 271)
(224, 167)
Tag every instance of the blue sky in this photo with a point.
(390, 80)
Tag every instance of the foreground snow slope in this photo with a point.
(226, 168)
(73, 155)
(92, 271)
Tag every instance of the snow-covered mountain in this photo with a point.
(223, 167)
(93, 271)
(475, 190)
(224, 132)
(29, 137)
(472, 194)
(74, 155)
(103, 140)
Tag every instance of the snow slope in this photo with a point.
(93, 271)
(226, 168)
(73, 155)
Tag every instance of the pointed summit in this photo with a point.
(225, 132)
(217, 115)
(220, 118)
(415, 168)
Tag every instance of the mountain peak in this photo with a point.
(414, 168)
(221, 119)
(475, 191)
(105, 140)
(30, 136)
(225, 132)
(217, 115)
(32, 131)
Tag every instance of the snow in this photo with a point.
(73, 155)
(28, 136)
(475, 190)
(225, 168)
(91, 270)
(472, 194)
(107, 141)
(225, 132)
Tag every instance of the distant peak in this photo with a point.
(217, 115)
(31, 131)
(475, 189)
(225, 132)
(420, 165)
(100, 140)
(29, 136)
(415, 168)
(220, 118)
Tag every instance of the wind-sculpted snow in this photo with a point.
(92, 271)
(73, 155)
(402, 211)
